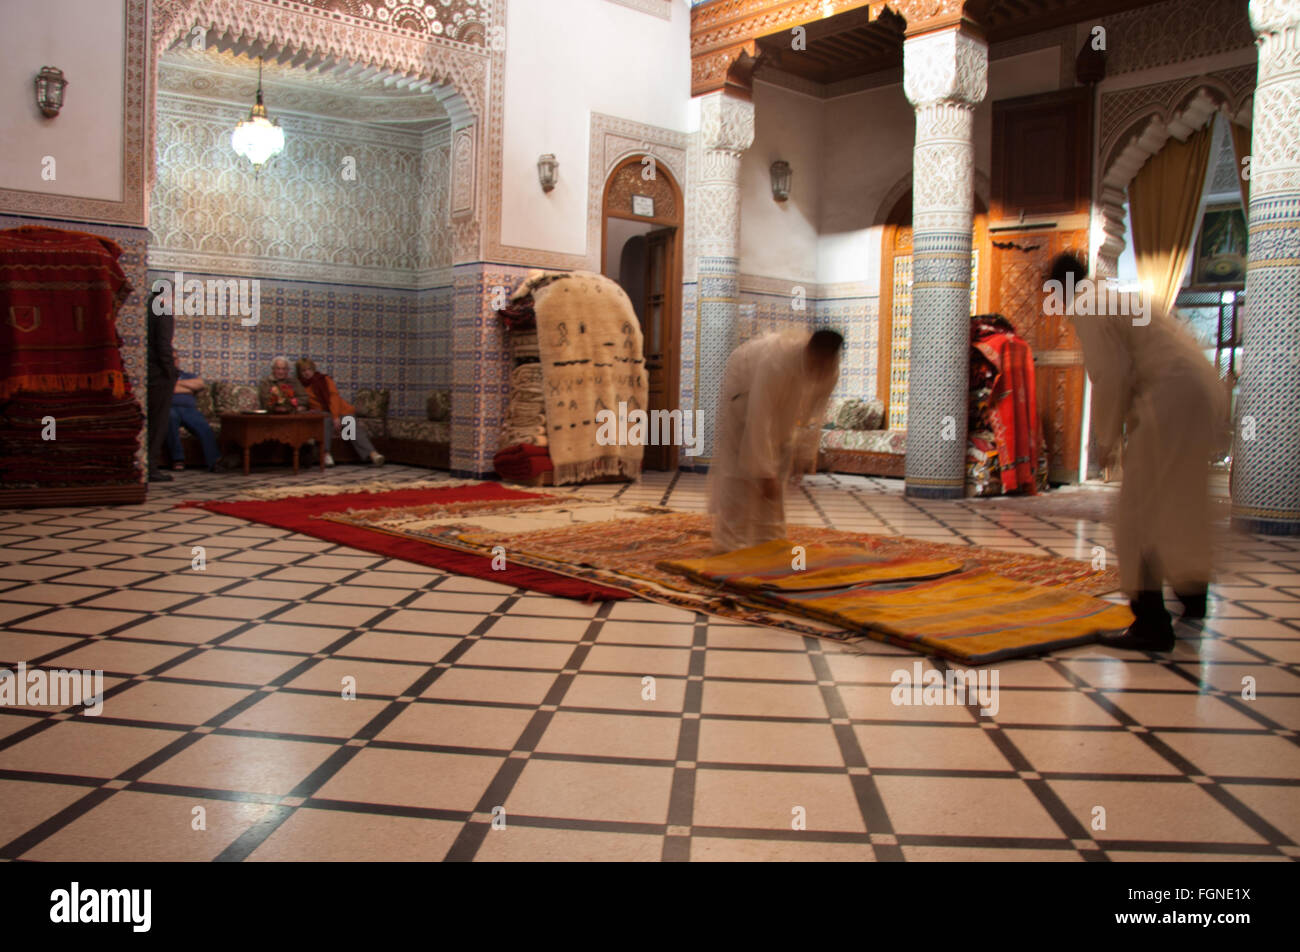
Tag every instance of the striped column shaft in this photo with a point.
(945, 75)
(1266, 456)
(726, 130)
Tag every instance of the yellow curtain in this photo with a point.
(1241, 148)
(1163, 200)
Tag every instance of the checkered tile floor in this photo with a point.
(492, 723)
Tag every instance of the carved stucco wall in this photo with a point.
(1173, 32)
(299, 216)
(355, 272)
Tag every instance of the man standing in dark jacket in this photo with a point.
(162, 381)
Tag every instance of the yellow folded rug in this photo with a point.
(929, 605)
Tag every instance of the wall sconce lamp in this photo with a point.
(548, 171)
(49, 91)
(780, 180)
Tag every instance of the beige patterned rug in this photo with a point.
(589, 339)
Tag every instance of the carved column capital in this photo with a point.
(1273, 17)
(946, 66)
(726, 123)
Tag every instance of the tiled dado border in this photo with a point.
(130, 209)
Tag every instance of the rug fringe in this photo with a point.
(369, 486)
(586, 470)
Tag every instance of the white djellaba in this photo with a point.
(770, 411)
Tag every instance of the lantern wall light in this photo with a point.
(49, 91)
(780, 180)
(548, 172)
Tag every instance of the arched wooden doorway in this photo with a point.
(895, 324)
(641, 248)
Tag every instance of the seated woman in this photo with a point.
(281, 391)
(185, 413)
(324, 395)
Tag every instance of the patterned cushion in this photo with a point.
(205, 403)
(873, 441)
(438, 406)
(235, 398)
(832, 411)
(427, 431)
(371, 403)
(860, 415)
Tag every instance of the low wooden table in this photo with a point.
(295, 429)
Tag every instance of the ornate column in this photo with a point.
(1266, 457)
(945, 73)
(726, 130)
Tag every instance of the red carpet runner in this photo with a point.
(295, 514)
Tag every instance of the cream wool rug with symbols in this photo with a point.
(589, 339)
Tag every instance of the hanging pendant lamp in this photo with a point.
(258, 138)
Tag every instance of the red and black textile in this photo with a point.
(69, 439)
(1012, 407)
(519, 315)
(522, 462)
(59, 295)
(299, 514)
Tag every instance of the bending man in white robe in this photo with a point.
(1155, 394)
(770, 412)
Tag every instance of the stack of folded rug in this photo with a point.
(69, 439)
(67, 414)
(525, 413)
(523, 455)
(522, 462)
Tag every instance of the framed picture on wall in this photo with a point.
(1219, 256)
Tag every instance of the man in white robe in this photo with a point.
(769, 418)
(1155, 395)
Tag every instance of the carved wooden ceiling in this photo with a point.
(850, 38)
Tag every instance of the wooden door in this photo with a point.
(639, 191)
(655, 333)
(1040, 207)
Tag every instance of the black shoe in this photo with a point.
(1151, 631)
(158, 476)
(1194, 604)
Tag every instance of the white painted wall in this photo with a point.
(564, 60)
(86, 39)
(868, 150)
(779, 239)
(868, 142)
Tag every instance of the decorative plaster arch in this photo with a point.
(310, 36)
(614, 140)
(1142, 134)
(904, 185)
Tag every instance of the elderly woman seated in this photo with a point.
(324, 395)
(282, 393)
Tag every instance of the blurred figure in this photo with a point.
(185, 413)
(770, 412)
(161, 381)
(1152, 384)
(324, 395)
